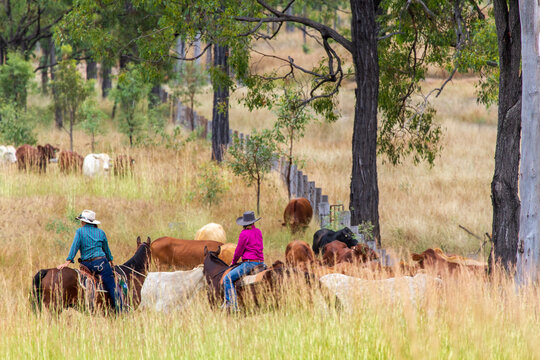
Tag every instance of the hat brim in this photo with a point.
(94, 222)
(240, 221)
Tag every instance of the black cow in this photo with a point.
(326, 236)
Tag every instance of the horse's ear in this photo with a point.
(148, 241)
(138, 240)
(205, 251)
(218, 250)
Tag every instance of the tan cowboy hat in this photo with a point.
(89, 217)
(247, 219)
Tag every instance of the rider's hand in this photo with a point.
(60, 267)
(111, 263)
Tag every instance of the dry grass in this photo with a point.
(420, 207)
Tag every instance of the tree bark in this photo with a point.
(91, 69)
(364, 197)
(58, 114)
(154, 98)
(106, 83)
(528, 253)
(220, 111)
(504, 187)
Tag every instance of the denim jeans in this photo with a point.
(102, 268)
(231, 277)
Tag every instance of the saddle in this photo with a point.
(93, 285)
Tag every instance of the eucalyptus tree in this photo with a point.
(391, 44)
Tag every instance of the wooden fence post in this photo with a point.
(300, 183)
(209, 132)
(311, 192)
(324, 211)
(318, 192)
(230, 136)
(294, 185)
(305, 187)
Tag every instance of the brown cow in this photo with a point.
(337, 252)
(297, 215)
(70, 161)
(181, 254)
(437, 261)
(31, 158)
(123, 165)
(298, 253)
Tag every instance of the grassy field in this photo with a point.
(420, 207)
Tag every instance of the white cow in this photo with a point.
(349, 289)
(211, 231)
(96, 164)
(168, 291)
(7, 154)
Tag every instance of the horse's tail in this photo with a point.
(37, 289)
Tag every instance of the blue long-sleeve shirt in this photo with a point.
(92, 242)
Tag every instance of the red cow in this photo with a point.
(437, 261)
(69, 161)
(297, 215)
(337, 252)
(298, 253)
(29, 157)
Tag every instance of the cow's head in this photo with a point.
(347, 236)
(104, 160)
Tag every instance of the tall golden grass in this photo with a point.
(469, 317)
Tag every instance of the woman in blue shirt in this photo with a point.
(95, 253)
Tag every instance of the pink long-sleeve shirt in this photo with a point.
(250, 246)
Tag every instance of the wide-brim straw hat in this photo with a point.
(247, 219)
(89, 217)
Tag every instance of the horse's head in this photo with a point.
(141, 260)
(212, 263)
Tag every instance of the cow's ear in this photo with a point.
(138, 240)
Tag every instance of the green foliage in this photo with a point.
(252, 158)
(188, 83)
(15, 80)
(70, 88)
(16, 126)
(132, 88)
(92, 120)
(366, 229)
(211, 184)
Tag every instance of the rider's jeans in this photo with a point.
(102, 268)
(231, 277)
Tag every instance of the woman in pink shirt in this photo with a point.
(250, 249)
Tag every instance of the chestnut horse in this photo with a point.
(58, 289)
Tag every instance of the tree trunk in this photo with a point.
(504, 187)
(106, 83)
(192, 114)
(529, 231)
(44, 61)
(71, 120)
(91, 69)
(258, 195)
(220, 110)
(364, 198)
(58, 114)
(289, 26)
(93, 142)
(155, 96)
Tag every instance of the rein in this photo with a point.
(135, 271)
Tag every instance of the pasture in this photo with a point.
(420, 207)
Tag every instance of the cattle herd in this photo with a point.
(342, 264)
(30, 158)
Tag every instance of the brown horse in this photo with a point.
(265, 286)
(58, 289)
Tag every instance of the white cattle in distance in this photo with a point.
(349, 289)
(7, 154)
(170, 291)
(96, 164)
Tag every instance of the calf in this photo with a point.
(123, 165)
(31, 158)
(297, 215)
(299, 254)
(326, 236)
(7, 154)
(70, 162)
